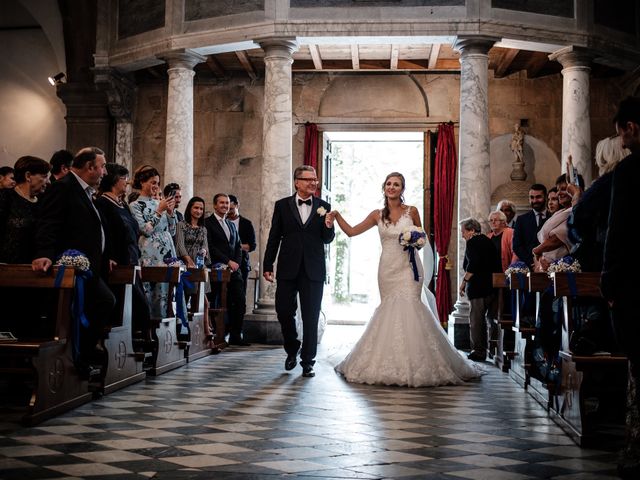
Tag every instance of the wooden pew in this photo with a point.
(217, 312)
(167, 353)
(523, 334)
(124, 366)
(505, 348)
(544, 393)
(593, 388)
(198, 330)
(46, 363)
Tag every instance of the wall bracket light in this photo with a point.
(57, 79)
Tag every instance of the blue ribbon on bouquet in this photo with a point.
(412, 261)
(77, 305)
(180, 310)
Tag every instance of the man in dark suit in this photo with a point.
(619, 277)
(525, 234)
(247, 236)
(60, 164)
(299, 229)
(225, 248)
(69, 220)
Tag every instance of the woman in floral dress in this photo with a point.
(157, 222)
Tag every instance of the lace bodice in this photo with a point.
(395, 276)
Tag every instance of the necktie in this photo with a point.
(306, 202)
(225, 227)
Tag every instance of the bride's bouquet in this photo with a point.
(413, 238)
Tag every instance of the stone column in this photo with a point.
(277, 170)
(576, 120)
(474, 179)
(178, 158)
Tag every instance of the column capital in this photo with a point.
(182, 58)
(278, 47)
(572, 56)
(474, 44)
(120, 91)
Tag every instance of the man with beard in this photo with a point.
(525, 235)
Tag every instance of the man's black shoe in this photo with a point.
(477, 356)
(308, 372)
(291, 362)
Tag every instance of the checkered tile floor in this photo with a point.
(239, 415)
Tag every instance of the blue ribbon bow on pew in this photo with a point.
(77, 306)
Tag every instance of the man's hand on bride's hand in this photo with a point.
(329, 218)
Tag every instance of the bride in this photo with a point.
(403, 344)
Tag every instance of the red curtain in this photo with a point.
(443, 191)
(311, 147)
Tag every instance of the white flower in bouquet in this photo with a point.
(75, 259)
(413, 237)
(321, 211)
(517, 267)
(565, 264)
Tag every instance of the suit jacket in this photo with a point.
(247, 235)
(525, 236)
(222, 250)
(299, 244)
(68, 220)
(481, 259)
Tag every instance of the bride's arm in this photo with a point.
(362, 227)
(415, 216)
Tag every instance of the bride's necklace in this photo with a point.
(28, 198)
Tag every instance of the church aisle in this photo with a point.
(239, 415)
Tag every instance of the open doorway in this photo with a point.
(358, 163)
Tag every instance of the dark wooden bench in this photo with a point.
(505, 347)
(593, 388)
(168, 352)
(199, 330)
(45, 364)
(124, 366)
(218, 308)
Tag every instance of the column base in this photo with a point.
(458, 327)
(262, 328)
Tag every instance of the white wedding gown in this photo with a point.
(403, 343)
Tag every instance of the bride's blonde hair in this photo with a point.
(385, 210)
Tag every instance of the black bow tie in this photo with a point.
(306, 202)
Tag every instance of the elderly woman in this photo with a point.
(123, 236)
(157, 222)
(18, 209)
(502, 238)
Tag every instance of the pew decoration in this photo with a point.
(566, 264)
(182, 284)
(80, 263)
(217, 269)
(520, 269)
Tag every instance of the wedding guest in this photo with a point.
(480, 262)
(19, 207)
(60, 164)
(619, 278)
(553, 205)
(6, 178)
(157, 223)
(502, 238)
(173, 189)
(247, 236)
(224, 245)
(509, 209)
(69, 219)
(123, 238)
(191, 241)
(525, 231)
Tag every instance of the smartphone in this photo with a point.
(171, 194)
(572, 172)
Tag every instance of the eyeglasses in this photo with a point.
(313, 180)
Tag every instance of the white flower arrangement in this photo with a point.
(321, 211)
(565, 264)
(173, 262)
(517, 267)
(75, 259)
(413, 237)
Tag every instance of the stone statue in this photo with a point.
(517, 142)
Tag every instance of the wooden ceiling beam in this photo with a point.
(315, 56)
(537, 62)
(355, 57)
(505, 62)
(215, 67)
(433, 56)
(246, 63)
(395, 50)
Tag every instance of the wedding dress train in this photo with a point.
(403, 343)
